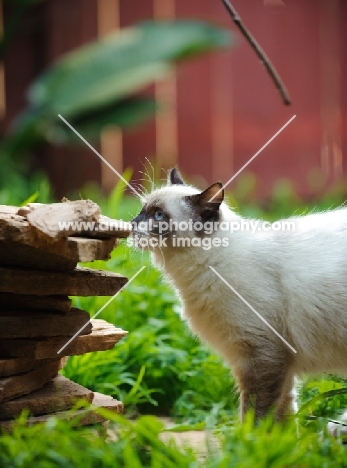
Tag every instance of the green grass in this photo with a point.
(135, 444)
(58, 444)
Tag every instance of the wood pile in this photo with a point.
(38, 273)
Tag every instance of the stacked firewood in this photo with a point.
(40, 247)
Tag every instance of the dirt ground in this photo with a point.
(197, 440)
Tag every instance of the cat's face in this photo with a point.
(175, 211)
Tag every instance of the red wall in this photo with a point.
(227, 107)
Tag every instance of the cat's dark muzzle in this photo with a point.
(139, 224)
(141, 217)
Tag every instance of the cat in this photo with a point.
(272, 303)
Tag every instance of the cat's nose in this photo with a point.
(138, 219)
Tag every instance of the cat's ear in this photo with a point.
(206, 204)
(211, 197)
(175, 177)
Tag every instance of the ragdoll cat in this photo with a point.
(296, 280)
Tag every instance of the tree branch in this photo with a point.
(260, 53)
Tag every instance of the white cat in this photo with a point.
(294, 282)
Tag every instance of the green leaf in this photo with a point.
(122, 114)
(120, 64)
(322, 396)
(91, 86)
(29, 129)
(31, 199)
(117, 194)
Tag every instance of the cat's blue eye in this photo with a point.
(159, 215)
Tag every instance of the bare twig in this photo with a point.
(260, 52)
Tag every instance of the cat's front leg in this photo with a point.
(265, 386)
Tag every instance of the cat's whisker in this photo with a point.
(146, 178)
(162, 255)
(146, 174)
(139, 191)
(153, 172)
(142, 179)
(142, 190)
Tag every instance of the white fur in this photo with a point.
(295, 280)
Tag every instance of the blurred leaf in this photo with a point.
(120, 64)
(116, 196)
(322, 396)
(122, 114)
(31, 199)
(29, 129)
(92, 86)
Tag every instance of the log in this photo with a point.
(21, 246)
(47, 219)
(38, 325)
(107, 402)
(103, 336)
(20, 366)
(27, 302)
(83, 417)
(18, 385)
(107, 227)
(89, 250)
(80, 216)
(57, 395)
(8, 209)
(79, 282)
